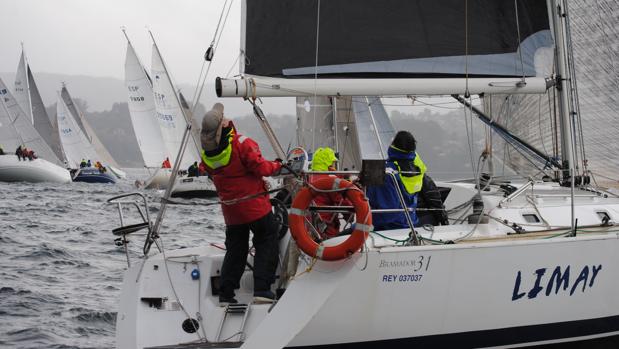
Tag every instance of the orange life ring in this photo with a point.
(298, 211)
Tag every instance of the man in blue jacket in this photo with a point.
(408, 170)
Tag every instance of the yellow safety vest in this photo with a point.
(413, 184)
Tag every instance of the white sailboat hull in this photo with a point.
(159, 179)
(463, 295)
(38, 170)
(194, 187)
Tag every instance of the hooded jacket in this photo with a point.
(239, 175)
(386, 195)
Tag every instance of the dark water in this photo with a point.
(60, 272)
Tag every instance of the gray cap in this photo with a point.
(211, 127)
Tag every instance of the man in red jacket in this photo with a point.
(236, 166)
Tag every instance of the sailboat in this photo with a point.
(526, 262)
(144, 121)
(29, 98)
(16, 130)
(87, 131)
(173, 120)
(79, 153)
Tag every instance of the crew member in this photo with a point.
(19, 153)
(408, 170)
(1, 150)
(236, 167)
(327, 224)
(166, 163)
(83, 163)
(192, 171)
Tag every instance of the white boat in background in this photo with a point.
(194, 187)
(102, 154)
(525, 262)
(38, 170)
(77, 148)
(16, 130)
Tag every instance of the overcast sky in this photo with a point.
(83, 37)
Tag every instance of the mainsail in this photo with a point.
(74, 142)
(16, 128)
(103, 154)
(472, 46)
(534, 118)
(142, 111)
(169, 114)
(28, 96)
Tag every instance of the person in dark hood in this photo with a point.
(236, 166)
(408, 170)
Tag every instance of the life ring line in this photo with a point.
(298, 212)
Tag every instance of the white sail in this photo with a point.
(16, 128)
(42, 122)
(103, 154)
(21, 91)
(169, 114)
(142, 111)
(75, 144)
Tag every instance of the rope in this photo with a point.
(316, 75)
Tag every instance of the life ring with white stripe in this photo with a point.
(298, 211)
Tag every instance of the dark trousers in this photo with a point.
(237, 246)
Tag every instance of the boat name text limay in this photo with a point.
(558, 281)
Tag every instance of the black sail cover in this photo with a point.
(395, 38)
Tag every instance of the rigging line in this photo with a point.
(233, 64)
(197, 98)
(519, 39)
(316, 74)
(195, 93)
(608, 45)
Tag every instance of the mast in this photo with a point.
(563, 86)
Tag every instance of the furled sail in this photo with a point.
(75, 144)
(395, 46)
(169, 114)
(142, 111)
(16, 128)
(103, 154)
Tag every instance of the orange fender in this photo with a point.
(298, 211)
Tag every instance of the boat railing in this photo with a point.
(141, 206)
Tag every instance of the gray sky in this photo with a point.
(83, 37)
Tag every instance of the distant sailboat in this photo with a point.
(77, 148)
(87, 130)
(27, 95)
(16, 130)
(173, 114)
(144, 121)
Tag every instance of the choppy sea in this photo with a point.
(60, 271)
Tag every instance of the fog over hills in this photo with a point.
(442, 138)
